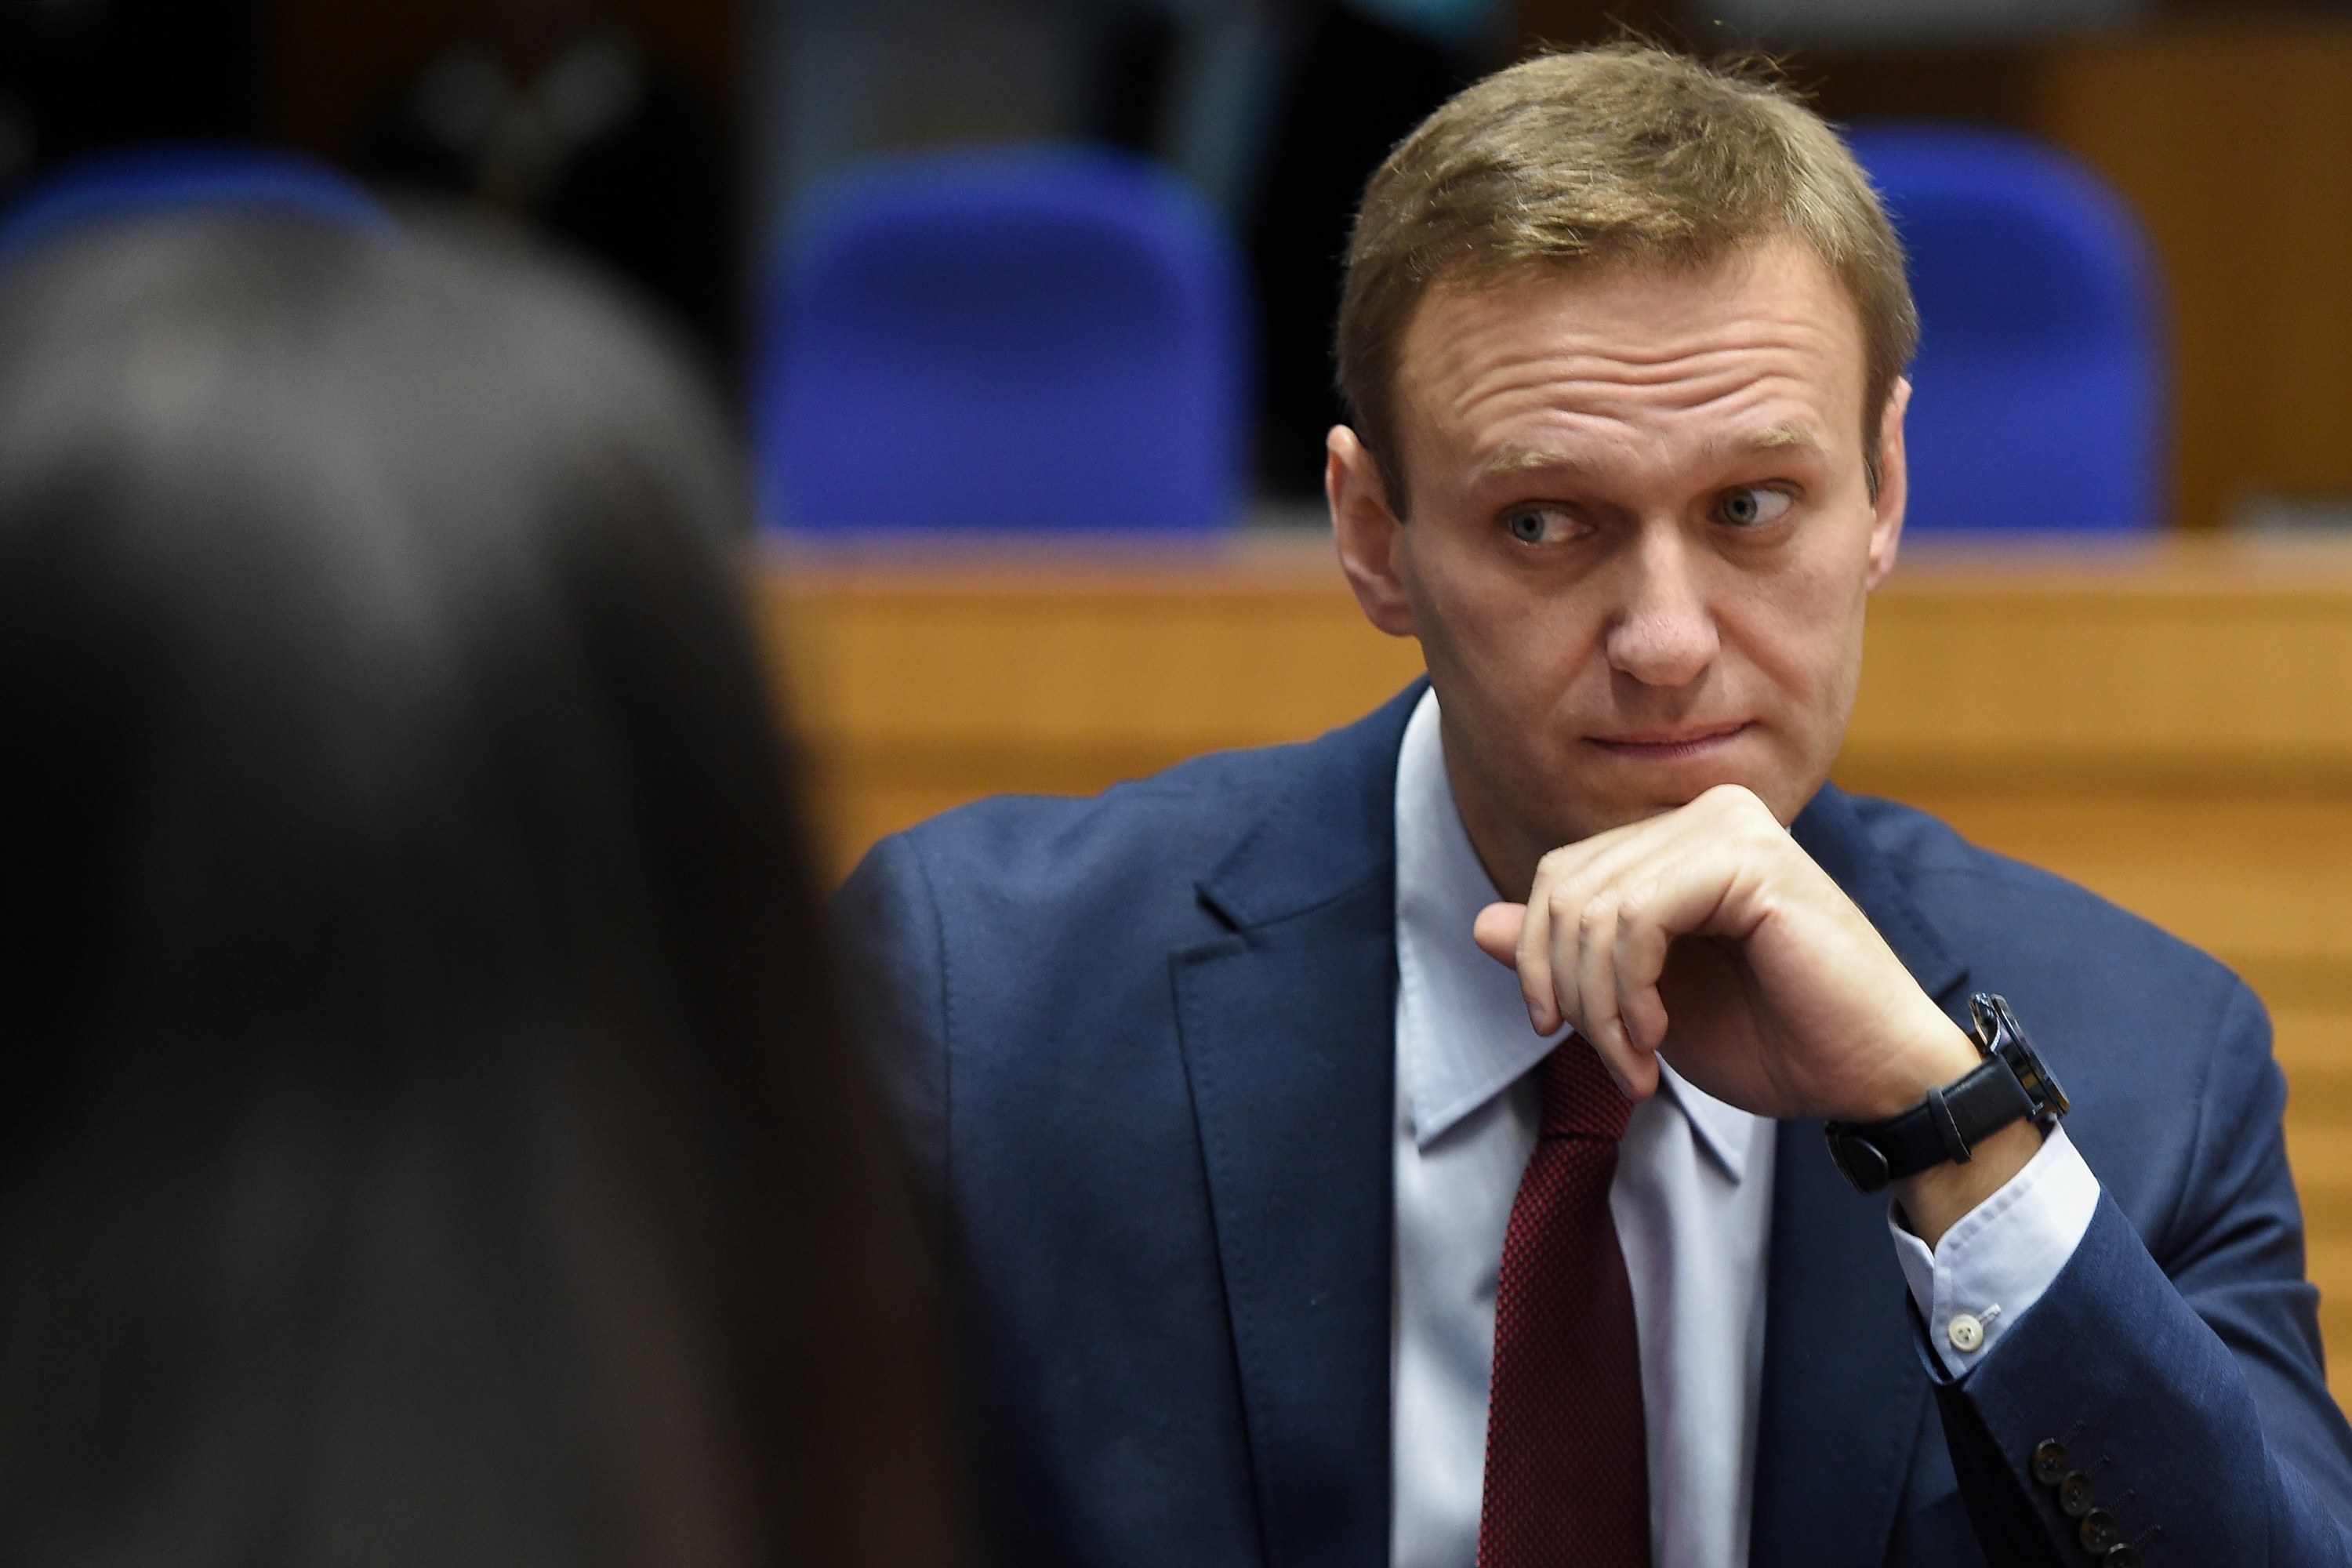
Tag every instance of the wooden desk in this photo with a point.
(2169, 725)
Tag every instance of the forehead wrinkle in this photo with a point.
(1440, 335)
(1781, 393)
(1717, 363)
(1478, 371)
(1759, 355)
(1463, 341)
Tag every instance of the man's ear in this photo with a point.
(1368, 531)
(1894, 485)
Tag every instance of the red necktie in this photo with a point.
(1568, 1470)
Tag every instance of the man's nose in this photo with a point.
(1664, 634)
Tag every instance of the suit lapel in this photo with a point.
(1840, 1408)
(1288, 1023)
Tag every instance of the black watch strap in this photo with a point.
(1946, 1126)
(2012, 1084)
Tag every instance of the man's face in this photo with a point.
(1640, 539)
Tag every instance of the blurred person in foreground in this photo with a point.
(430, 1136)
(1297, 1227)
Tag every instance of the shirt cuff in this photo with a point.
(1995, 1264)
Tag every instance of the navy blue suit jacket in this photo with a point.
(1142, 1050)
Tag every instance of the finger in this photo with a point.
(1566, 880)
(1533, 958)
(1593, 957)
(1626, 944)
(1496, 932)
(1571, 908)
(1635, 1073)
(1682, 891)
(1686, 889)
(1642, 946)
(1601, 1023)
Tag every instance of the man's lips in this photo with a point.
(1669, 745)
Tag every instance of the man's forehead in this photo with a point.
(1623, 329)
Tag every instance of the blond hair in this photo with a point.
(1626, 154)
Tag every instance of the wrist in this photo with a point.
(1937, 1054)
(1939, 1197)
(1979, 1109)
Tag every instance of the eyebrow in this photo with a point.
(1776, 438)
(1510, 462)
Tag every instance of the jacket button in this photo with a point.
(2050, 1462)
(2122, 1555)
(2074, 1495)
(2098, 1533)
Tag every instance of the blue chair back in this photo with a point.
(1004, 341)
(2037, 397)
(116, 186)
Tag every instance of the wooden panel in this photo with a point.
(2169, 725)
(922, 690)
(2232, 136)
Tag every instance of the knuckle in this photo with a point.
(1597, 915)
(1743, 815)
(1632, 909)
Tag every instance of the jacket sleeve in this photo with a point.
(2181, 1375)
(893, 947)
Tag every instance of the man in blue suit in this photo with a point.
(1407, 1148)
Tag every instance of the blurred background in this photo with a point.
(678, 142)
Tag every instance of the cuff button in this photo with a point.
(2050, 1462)
(2122, 1555)
(2074, 1498)
(1965, 1332)
(2098, 1533)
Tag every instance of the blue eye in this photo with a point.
(1752, 506)
(1537, 525)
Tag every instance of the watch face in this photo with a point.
(1998, 1034)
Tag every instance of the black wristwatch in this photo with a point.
(2011, 1085)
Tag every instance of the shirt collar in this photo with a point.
(1461, 1023)
(1726, 1131)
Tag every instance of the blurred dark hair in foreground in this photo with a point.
(431, 1136)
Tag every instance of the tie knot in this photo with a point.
(1579, 1098)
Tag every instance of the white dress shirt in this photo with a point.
(1691, 1201)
